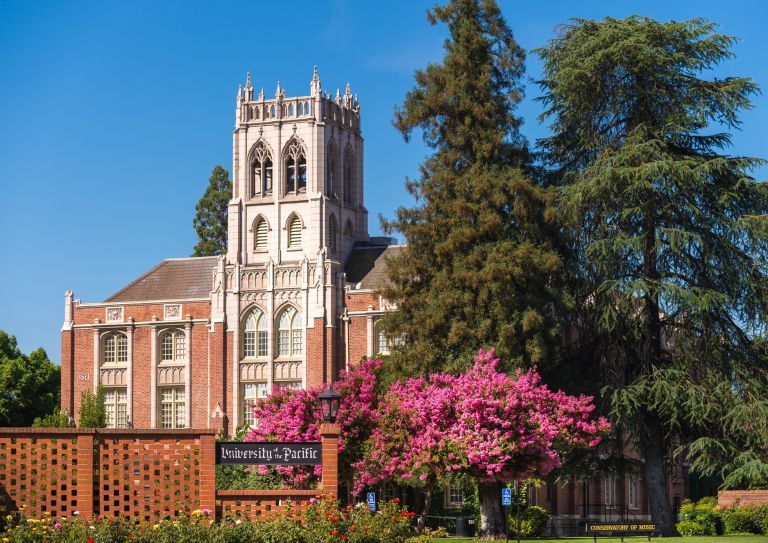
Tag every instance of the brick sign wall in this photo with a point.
(142, 474)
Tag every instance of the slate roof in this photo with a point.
(366, 265)
(172, 279)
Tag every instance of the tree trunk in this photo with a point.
(656, 477)
(493, 521)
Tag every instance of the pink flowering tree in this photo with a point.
(488, 424)
(295, 415)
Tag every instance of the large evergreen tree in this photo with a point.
(211, 215)
(670, 232)
(475, 272)
(478, 266)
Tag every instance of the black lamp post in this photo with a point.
(329, 401)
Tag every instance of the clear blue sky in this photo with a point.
(112, 115)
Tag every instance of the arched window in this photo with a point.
(261, 170)
(173, 346)
(333, 233)
(349, 171)
(260, 233)
(332, 175)
(294, 232)
(290, 110)
(301, 109)
(255, 335)
(295, 168)
(114, 349)
(306, 108)
(272, 111)
(349, 230)
(289, 332)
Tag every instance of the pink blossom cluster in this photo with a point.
(483, 422)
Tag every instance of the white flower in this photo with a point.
(76, 512)
(238, 521)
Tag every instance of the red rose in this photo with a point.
(394, 517)
(396, 500)
(334, 532)
(343, 538)
(90, 540)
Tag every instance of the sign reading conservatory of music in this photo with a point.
(194, 341)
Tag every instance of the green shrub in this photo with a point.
(93, 413)
(740, 520)
(533, 523)
(704, 512)
(688, 528)
(60, 418)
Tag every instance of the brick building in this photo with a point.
(193, 341)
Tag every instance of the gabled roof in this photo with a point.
(366, 267)
(172, 279)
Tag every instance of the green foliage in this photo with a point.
(688, 528)
(93, 413)
(478, 261)
(704, 513)
(534, 521)
(245, 478)
(670, 242)
(29, 384)
(211, 215)
(746, 519)
(60, 418)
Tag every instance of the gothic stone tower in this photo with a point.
(296, 213)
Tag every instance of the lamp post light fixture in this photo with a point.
(329, 402)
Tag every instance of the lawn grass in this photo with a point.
(633, 539)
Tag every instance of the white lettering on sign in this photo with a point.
(83, 377)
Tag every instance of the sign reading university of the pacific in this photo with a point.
(268, 454)
(621, 527)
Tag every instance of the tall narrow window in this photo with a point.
(610, 490)
(383, 344)
(294, 233)
(295, 168)
(116, 407)
(261, 170)
(333, 233)
(289, 342)
(172, 407)
(349, 231)
(251, 393)
(349, 171)
(255, 335)
(260, 232)
(114, 349)
(634, 492)
(173, 343)
(332, 175)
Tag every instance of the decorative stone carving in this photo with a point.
(287, 277)
(170, 375)
(172, 312)
(113, 376)
(114, 314)
(288, 370)
(252, 280)
(249, 297)
(253, 371)
(386, 305)
(286, 296)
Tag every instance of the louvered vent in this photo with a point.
(294, 233)
(332, 234)
(261, 234)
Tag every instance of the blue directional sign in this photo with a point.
(372, 501)
(506, 496)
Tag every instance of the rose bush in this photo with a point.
(323, 522)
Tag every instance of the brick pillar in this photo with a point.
(207, 472)
(86, 456)
(68, 371)
(329, 483)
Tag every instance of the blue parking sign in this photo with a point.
(372, 501)
(506, 496)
